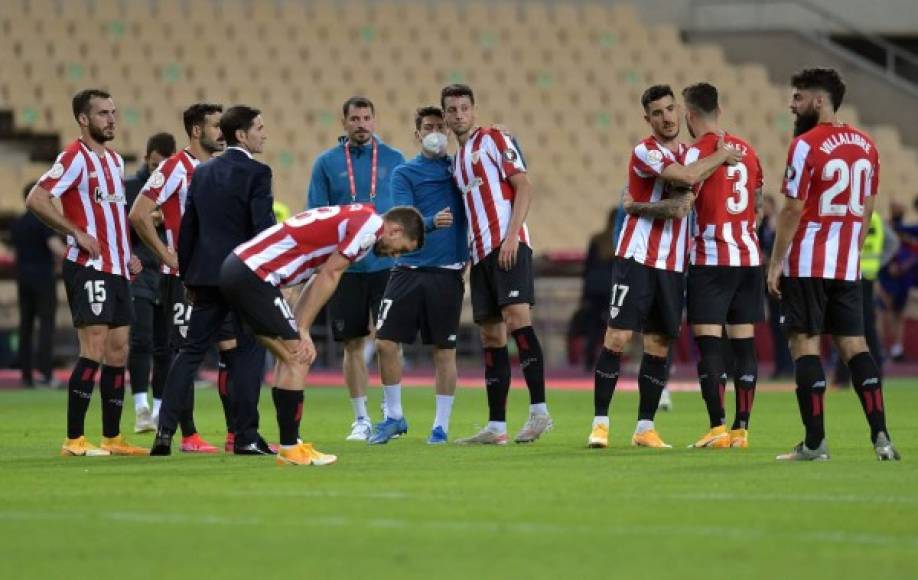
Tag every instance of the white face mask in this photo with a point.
(435, 143)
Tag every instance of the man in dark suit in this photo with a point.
(229, 202)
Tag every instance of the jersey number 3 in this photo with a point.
(739, 201)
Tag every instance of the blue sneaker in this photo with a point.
(388, 429)
(437, 436)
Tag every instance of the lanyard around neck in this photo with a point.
(350, 171)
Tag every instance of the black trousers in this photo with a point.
(209, 311)
(784, 364)
(149, 343)
(37, 300)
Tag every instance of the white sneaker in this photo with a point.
(534, 427)
(361, 430)
(666, 401)
(143, 421)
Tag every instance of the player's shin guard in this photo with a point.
(224, 387)
(744, 381)
(289, 407)
(82, 380)
(865, 376)
(651, 381)
(111, 387)
(605, 377)
(497, 382)
(531, 362)
(811, 389)
(710, 371)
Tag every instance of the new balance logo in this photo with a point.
(747, 378)
(451, 338)
(819, 385)
(605, 375)
(872, 381)
(513, 294)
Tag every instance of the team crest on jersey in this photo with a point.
(654, 155)
(157, 179)
(510, 156)
(476, 156)
(57, 170)
(183, 330)
(614, 311)
(96, 308)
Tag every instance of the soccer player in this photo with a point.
(166, 191)
(356, 170)
(425, 289)
(726, 284)
(647, 275)
(491, 174)
(149, 341)
(88, 179)
(830, 187)
(324, 241)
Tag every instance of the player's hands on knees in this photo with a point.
(444, 218)
(88, 243)
(774, 279)
(508, 249)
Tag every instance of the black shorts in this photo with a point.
(226, 331)
(645, 299)
(822, 306)
(725, 295)
(355, 300)
(493, 287)
(176, 309)
(429, 300)
(259, 304)
(97, 298)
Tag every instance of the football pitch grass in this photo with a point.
(553, 509)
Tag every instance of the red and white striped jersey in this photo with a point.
(725, 233)
(482, 170)
(91, 191)
(833, 169)
(168, 187)
(290, 252)
(658, 243)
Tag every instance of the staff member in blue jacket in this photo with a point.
(425, 289)
(356, 170)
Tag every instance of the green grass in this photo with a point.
(549, 510)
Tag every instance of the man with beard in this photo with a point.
(648, 283)
(831, 185)
(726, 284)
(322, 241)
(425, 288)
(166, 190)
(357, 170)
(88, 179)
(149, 343)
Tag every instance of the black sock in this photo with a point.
(532, 362)
(186, 417)
(605, 377)
(82, 380)
(497, 382)
(651, 381)
(289, 406)
(865, 376)
(744, 379)
(139, 365)
(710, 375)
(111, 387)
(161, 364)
(811, 389)
(224, 387)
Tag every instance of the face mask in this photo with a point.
(435, 143)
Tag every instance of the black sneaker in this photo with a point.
(258, 447)
(162, 445)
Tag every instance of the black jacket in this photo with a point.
(229, 202)
(146, 284)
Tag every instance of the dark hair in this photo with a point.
(162, 143)
(655, 93)
(82, 99)
(429, 111)
(239, 117)
(826, 79)
(411, 221)
(358, 102)
(28, 188)
(196, 113)
(702, 97)
(456, 90)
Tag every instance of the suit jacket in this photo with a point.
(229, 202)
